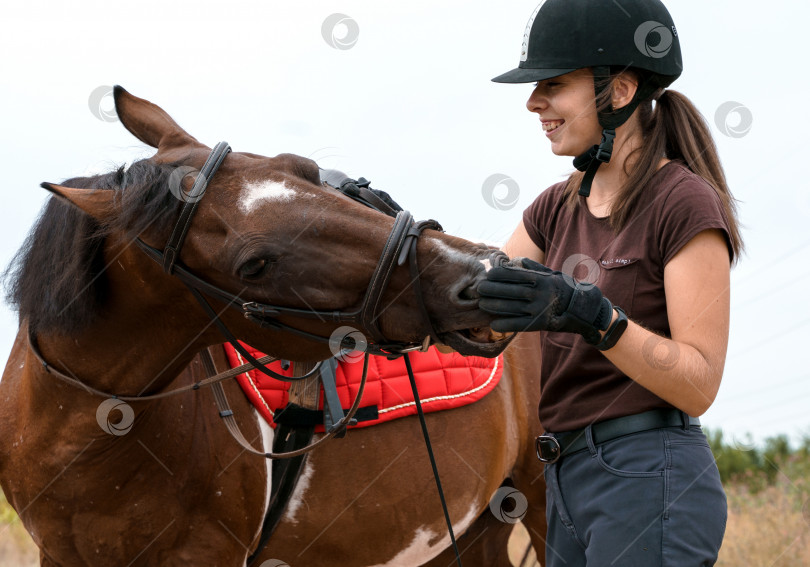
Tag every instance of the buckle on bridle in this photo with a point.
(253, 309)
(547, 448)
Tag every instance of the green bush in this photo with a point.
(740, 461)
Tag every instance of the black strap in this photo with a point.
(590, 161)
(382, 273)
(285, 475)
(239, 348)
(298, 416)
(175, 243)
(432, 458)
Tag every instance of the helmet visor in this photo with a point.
(524, 75)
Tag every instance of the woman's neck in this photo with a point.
(611, 177)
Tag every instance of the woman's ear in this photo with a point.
(624, 89)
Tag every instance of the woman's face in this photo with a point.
(567, 111)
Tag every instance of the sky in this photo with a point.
(400, 93)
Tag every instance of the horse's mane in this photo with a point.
(56, 280)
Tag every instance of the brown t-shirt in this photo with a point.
(579, 385)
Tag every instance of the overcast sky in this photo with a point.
(400, 93)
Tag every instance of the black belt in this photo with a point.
(551, 446)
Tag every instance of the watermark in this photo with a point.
(347, 344)
(733, 119)
(500, 191)
(102, 104)
(508, 504)
(340, 31)
(580, 271)
(660, 353)
(274, 563)
(121, 427)
(742, 441)
(654, 39)
(328, 158)
(176, 184)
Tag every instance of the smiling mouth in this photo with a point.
(552, 125)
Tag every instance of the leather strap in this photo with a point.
(429, 446)
(172, 251)
(212, 379)
(285, 475)
(227, 415)
(604, 431)
(379, 279)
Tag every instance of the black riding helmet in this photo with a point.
(565, 35)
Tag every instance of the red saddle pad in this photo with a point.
(444, 381)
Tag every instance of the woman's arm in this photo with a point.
(685, 370)
(521, 245)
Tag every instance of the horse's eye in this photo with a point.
(253, 269)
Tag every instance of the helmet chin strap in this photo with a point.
(590, 160)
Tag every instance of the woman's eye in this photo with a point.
(253, 268)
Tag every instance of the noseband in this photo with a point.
(399, 248)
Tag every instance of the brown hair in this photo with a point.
(674, 129)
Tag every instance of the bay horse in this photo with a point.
(97, 481)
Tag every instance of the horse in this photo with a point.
(159, 481)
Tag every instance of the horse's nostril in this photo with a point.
(469, 293)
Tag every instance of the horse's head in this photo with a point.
(267, 230)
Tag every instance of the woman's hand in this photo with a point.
(535, 298)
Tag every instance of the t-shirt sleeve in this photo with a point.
(691, 207)
(538, 217)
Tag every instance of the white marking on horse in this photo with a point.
(486, 263)
(256, 191)
(420, 551)
(267, 444)
(450, 253)
(297, 498)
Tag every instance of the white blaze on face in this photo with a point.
(486, 263)
(451, 254)
(254, 192)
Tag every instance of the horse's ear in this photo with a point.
(98, 203)
(148, 122)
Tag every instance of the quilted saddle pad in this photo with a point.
(444, 381)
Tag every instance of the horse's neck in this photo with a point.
(140, 342)
(131, 363)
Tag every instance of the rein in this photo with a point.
(399, 247)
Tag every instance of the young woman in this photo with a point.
(626, 272)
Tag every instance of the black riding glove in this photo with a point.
(539, 299)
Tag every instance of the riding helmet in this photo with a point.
(565, 35)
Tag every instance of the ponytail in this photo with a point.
(674, 129)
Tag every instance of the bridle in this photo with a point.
(400, 246)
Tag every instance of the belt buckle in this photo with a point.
(547, 448)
